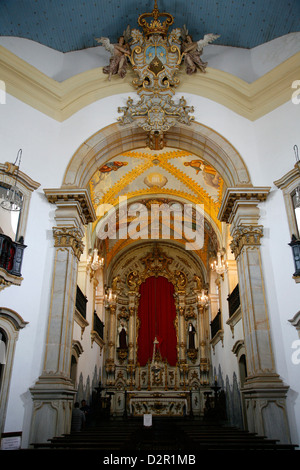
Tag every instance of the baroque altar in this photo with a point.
(157, 386)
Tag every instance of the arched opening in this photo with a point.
(3, 348)
(10, 325)
(243, 369)
(196, 167)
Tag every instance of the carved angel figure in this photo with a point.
(192, 51)
(119, 52)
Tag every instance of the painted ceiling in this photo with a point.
(150, 177)
(69, 25)
(150, 172)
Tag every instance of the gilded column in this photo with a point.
(182, 335)
(110, 361)
(131, 335)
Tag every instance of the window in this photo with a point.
(3, 346)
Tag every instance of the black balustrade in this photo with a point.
(234, 300)
(81, 302)
(98, 325)
(216, 324)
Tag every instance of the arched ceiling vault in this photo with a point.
(196, 167)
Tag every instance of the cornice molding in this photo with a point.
(65, 196)
(287, 181)
(8, 169)
(60, 100)
(251, 195)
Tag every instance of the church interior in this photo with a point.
(150, 224)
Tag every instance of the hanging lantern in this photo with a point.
(13, 199)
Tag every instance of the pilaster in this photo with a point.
(53, 393)
(264, 391)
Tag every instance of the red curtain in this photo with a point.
(157, 313)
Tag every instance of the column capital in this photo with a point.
(66, 237)
(245, 235)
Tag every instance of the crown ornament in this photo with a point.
(155, 26)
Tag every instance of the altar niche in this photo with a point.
(155, 329)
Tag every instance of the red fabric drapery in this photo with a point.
(157, 313)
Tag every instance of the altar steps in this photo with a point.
(164, 435)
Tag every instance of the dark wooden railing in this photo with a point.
(216, 324)
(81, 302)
(11, 255)
(98, 325)
(234, 300)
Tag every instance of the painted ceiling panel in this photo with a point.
(69, 25)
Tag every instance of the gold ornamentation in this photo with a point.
(190, 313)
(155, 26)
(156, 59)
(123, 314)
(65, 237)
(122, 354)
(245, 236)
(192, 354)
(157, 264)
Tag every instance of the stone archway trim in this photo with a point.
(115, 139)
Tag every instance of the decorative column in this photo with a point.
(264, 391)
(132, 335)
(110, 361)
(53, 393)
(182, 348)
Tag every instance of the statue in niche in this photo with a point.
(191, 336)
(122, 336)
(192, 51)
(119, 53)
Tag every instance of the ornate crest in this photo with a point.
(156, 57)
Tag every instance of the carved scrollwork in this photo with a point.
(157, 264)
(245, 235)
(65, 237)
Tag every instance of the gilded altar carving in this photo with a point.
(124, 314)
(192, 354)
(190, 313)
(157, 264)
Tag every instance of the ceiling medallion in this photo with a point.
(156, 58)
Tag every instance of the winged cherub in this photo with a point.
(192, 51)
(119, 53)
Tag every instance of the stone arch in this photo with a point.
(196, 138)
